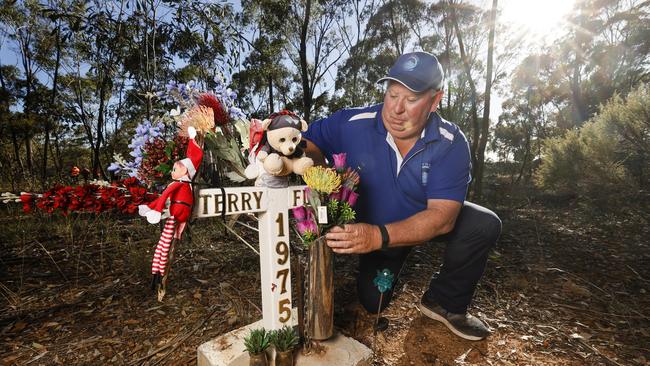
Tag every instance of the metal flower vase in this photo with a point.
(258, 359)
(284, 358)
(320, 294)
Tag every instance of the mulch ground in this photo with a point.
(561, 288)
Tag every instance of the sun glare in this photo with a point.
(540, 19)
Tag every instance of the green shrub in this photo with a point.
(284, 339)
(257, 341)
(605, 162)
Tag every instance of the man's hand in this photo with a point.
(354, 238)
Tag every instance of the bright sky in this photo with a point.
(542, 20)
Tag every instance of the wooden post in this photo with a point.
(273, 206)
(275, 260)
(320, 311)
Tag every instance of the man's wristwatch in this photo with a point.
(385, 239)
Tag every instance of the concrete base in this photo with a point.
(228, 350)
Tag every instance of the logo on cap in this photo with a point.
(411, 63)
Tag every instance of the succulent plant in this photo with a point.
(257, 341)
(284, 339)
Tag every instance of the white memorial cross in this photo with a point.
(273, 205)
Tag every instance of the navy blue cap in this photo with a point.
(418, 71)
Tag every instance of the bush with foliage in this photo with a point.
(257, 341)
(284, 339)
(605, 162)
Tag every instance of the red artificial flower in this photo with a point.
(74, 171)
(27, 200)
(125, 196)
(129, 182)
(221, 117)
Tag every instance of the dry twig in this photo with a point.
(176, 341)
(53, 261)
(598, 352)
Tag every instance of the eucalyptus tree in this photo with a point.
(146, 61)
(8, 98)
(264, 80)
(606, 49)
(353, 86)
(203, 36)
(389, 28)
(23, 25)
(314, 49)
(529, 113)
(99, 47)
(603, 52)
(263, 84)
(64, 18)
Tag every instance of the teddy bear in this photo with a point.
(280, 153)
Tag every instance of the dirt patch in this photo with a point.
(560, 289)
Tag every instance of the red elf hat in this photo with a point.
(194, 156)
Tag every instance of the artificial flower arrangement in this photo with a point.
(95, 197)
(329, 200)
(330, 197)
(219, 123)
(155, 146)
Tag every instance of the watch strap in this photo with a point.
(385, 239)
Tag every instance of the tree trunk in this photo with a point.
(304, 72)
(579, 113)
(522, 170)
(480, 160)
(271, 106)
(52, 101)
(97, 168)
(474, 96)
(14, 137)
(14, 141)
(528, 136)
(28, 155)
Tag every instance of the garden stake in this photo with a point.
(383, 281)
(374, 331)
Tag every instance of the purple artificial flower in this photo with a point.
(339, 161)
(352, 198)
(311, 226)
(309, 195)
(114, 167)
(305, 226)
(236, 113)
(299, 213)
(345, 193)
(336, 195)
(310, 216)
(144, 132)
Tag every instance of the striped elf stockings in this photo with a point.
(161, 254)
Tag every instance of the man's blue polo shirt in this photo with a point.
(437, 167)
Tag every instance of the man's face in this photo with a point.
(405, 113)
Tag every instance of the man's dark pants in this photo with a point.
(468, 244)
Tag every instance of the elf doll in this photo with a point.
(179, 193)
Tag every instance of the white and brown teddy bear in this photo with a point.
(280, 153)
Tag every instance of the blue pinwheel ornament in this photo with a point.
(384, 280)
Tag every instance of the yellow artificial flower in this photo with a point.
(199, 117)
(322, 179)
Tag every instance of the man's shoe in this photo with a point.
(463, 325)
